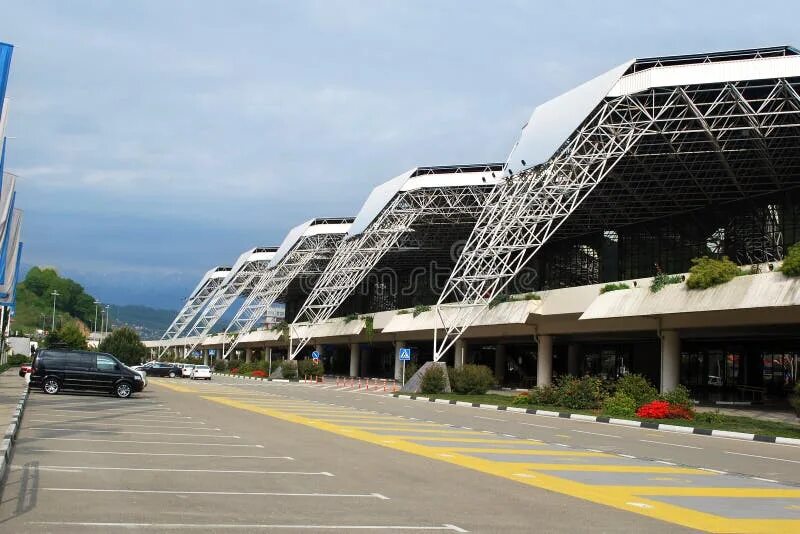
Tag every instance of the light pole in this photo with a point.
(96, 303)
(55, 295)
(108, 319)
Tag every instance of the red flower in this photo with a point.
(259, 373)
(663, 410)
(235, 371)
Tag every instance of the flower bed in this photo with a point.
(659, 409)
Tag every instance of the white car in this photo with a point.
(140, 371)
(200, 371)
(186, 369)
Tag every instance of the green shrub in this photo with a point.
(708, 272)
(679, 396)
(619, 405)
(433, 380)
(523, 399)
(289, 369)
(794, 400)
(545, 395)
(411, 369)
(349, 318)
(580, 393)
(471, 379)
(245, 368)
(420, 309)
(712, 418)
(18, 359)
(661, 280)
(220, 366)
(791, 263)
(614, 287)
(637, 388)
(310, 368)
(498, 299)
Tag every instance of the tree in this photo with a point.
(124, 343)
(70, 335)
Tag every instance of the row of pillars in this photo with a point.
(670, 359)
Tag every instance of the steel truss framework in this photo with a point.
(356, 256)
(307, 258)
(238, 282)
(636, 157)
(196, 302)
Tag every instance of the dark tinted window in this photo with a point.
(79, 360)
(106, 363)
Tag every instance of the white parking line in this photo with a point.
(120, 416)
(173, 425)
(155, 442)
(490, 418)
(596, 434)
(80, 468)
(135, 432)
(183, 455)
(763, 457)
(539, 426)
(245, 527)
(670, 444)
(230, 493)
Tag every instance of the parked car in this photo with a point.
(25, 368)
(162, 369)
(55, 370)
(186, 370)
(200, 371)
(140, 373)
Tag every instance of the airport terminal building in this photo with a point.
(631, 175)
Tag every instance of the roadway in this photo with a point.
(228, 455)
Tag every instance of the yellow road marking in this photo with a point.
(629, 498)
(533, 452)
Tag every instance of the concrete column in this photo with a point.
(398, 365)
(573, 359)
(318, 348)
(268, 358)
(670, 360)
(544, 361)
(500, 362)
(205, 356)
(248, 354)
(460, 351)
(355, 359)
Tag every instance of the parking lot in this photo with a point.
(168, 461)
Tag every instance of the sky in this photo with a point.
(156, 139)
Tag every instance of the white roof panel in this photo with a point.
(306, 229)
(699, 73)
(553, 122)
(421, 178)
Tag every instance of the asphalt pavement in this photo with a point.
(232, 455)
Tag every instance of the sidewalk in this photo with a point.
(10, 387)
(776, 416)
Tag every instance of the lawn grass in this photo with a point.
(708, 420)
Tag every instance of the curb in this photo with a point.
(10, 436)
(613, 421)
(240, 377)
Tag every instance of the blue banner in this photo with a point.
(5, 66)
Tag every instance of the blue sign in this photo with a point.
(405, 355)
(315, 355)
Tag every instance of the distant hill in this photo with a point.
(35, 301)
(149, 322)
(35, 307)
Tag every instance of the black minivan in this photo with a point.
(57, 369)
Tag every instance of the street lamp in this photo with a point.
(55, 294)
(108, 319)
(96, 303)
